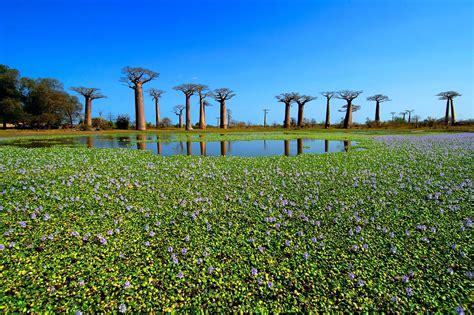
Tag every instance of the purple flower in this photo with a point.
(184, 251)
(358, 229)
(210, 269)
(180, 275)
(460, 310)
(147, 243)
(306, 255)
(110, 232)
(33, 216)
(199, 261)
(81, 283)
(270, 284)
(75, 234)
(122, 308)
(354, 248)
(469, 274)
(393, 249)
(208, 227)
(450, 270)
(405, 279)
(394, 299)
(22, 224)
(365, 246)
(351, 275)
(126, 285)
(151, 233)
(300, 233)
(314, 239)
(2, 247)
(287, 243)
(260, 248)
(205, 254)
(409, 291)
(46, 217)
(360, 283)
(253, 271)
(50, 236)
(78, 313)
(170, 249)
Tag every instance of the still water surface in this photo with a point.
(247, 148)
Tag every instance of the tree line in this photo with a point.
(43, 103)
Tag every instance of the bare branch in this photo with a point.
(222, 94)
(155, 93)
(187, 88)
(328, 95)
(178, 109)
(286, 98)
(354, 108)
(348, 95)
(301, 100)
(92, 93)
(378, 98)
(137, 76)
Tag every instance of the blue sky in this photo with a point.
(407, 49)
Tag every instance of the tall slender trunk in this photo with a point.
(453, 115)
(300, 115)
(446, 116)
(181, 120)
(223, 115)
(157, 112)
(141, 144)
(223, 148)
(90, 142)
(286, 144)
(264, 119)
(409, 118)
(189, 148)
(377, 112)
(202, 146)
(188, 113)
(70, 121)
(328, 115)
(4, 124)
(299, 146)
(88, 116)
(202, 114)
(287, 116)
(348, 118)
(139, 108)
(326, 146)
(158, 147)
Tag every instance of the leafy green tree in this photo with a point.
(10, 103)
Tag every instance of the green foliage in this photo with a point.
(88, 230)
(123, 121)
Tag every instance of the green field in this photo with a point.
(387, 229)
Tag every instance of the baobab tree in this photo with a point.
(89, 94)
(265, 112)
(448, 96)
(393, 115)
(134, 78)
(155, 95)
(202, 92)
(349, 96)
(287, 99)
(221, 95)
(188, 89)
(328, 96)
(229, 117)
(301, 100)
(378, 98)
(403, 115)
(409, 111)
(178, 110)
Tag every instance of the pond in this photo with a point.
(154, 143)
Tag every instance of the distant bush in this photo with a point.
(123, 121)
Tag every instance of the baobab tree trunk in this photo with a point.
(157, 111)
(88, 116)
(223, 115)
(188, 113)
(181, 120)
(453, 115)
(377, 112)
(223, 148)
(287, 116)
(141, 144)
(202, 146)
(446, 116)
(348, 118)
(347, 146)
(139, 108)
(326, 146)
(409, 117)
(189, 150)
(158, 147)
(202, 115)
(300, 116)
(90, 142)
(286, 144)
(328, 115)
(299, 146)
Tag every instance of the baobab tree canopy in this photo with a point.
(155, 93)
(92, 93)
(378, 98)
(178, 109)
(223, 94)
(354, 108)
(285, 98)
(137, 76)
(328, 95)
(448, 94)
(302, 99)
(348, 95)
(187, 88)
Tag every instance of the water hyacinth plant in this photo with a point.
(385, 229)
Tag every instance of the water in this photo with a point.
(248, 148)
